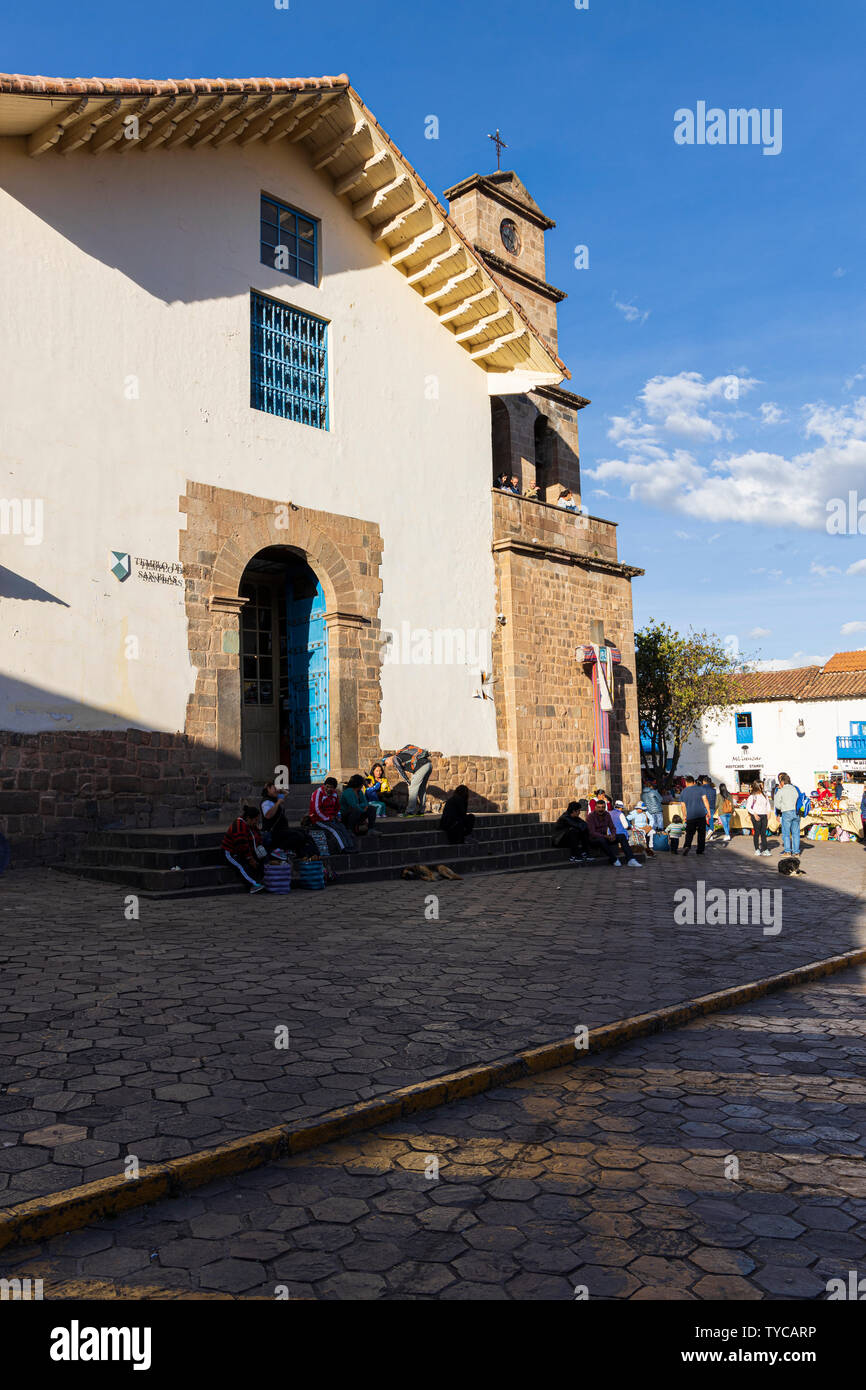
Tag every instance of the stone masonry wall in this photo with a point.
(57, 787)
(550, 593)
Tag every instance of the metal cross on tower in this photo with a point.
(500, 146)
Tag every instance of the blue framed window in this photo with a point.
(288, 362)
(858, 728)
(289, 240)
(743, 724)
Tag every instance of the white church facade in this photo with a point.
(247, 453)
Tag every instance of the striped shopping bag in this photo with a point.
(311, 873)
(278, 878)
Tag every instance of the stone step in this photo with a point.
(224, 883)
(401, 845)
(203, 836)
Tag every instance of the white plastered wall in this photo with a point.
(776, 746)
(131, 273)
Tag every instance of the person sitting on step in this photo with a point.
(280, 837)
(573, 833)
(601, 825)
(457, 820)
(378, 791)
(244, 848)
(355, 810)
(325, 813)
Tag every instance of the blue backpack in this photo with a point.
(804, 804)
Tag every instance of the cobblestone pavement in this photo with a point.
(723, 1160)
(157, 1036)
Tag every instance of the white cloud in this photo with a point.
(631, 312)
(823, 570)
(771, 414)
(761, 632)
(851, 381)
(681, 404)
(754, 485)
(839, 272)
(858, 567)
(783, 663)
(848, 628)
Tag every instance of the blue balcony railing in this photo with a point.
(853, 747)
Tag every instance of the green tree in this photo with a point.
(680, 680)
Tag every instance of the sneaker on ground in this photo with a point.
(616, 864)
(635, 864)
(257, 888)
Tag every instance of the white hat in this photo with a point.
(640, 806)
(617, 803)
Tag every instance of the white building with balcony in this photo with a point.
(809, 722)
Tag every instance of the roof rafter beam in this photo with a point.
(332, 151)
(165, 126)
(279, 114)
(222, 114)
(448, 285)
(289, 123)
(116, 130)
(239, 121)
(194, 122)
(380, 230)
(404, 250)
(483, 324)
(490, 349)
(49, 133)
(79, 133)
(435, 263)
(457, 309)
(365, 206)
(301, 131)
(354, 176)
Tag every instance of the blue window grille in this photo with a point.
(858, 728)
(289, 241)
(743, 724)
(288, 362)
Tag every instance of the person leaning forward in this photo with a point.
(414, 766)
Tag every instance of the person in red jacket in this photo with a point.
(324, 802)
(244, 848)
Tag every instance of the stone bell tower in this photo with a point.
(534, 436)
(563, 659)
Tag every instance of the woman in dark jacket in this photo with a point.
(457, 822)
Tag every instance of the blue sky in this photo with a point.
(719, 327)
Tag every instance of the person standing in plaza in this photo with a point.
(652, 800)
(758, 808)
(785, 802)
(694, 798)
(710, 793)
(726, 809)
(413, 764)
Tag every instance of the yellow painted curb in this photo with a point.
(68, 1210)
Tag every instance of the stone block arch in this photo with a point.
(224, 531)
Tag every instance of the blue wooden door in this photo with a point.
(307, 652)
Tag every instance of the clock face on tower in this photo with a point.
(510, 236)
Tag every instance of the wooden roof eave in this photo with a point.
(343, 141)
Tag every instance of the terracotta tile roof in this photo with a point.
(847, 661)
(777, 685)
(842, 678)
(18, 84)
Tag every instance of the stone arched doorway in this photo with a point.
(227, 533)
